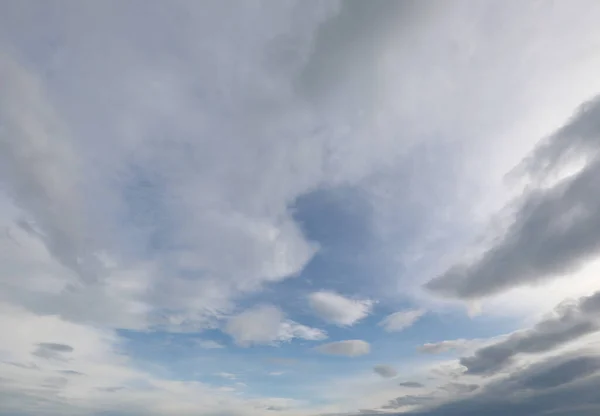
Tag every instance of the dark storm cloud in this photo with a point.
(554, 230)
(569, 321)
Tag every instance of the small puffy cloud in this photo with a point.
(337, 309)
(400, 320)
(266, 324)
(348, 348)
(209, 344)
(385, 371)
(276, 373)
(290, 329)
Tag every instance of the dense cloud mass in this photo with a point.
(555, 229)
(562, 387)
(568, 322)
(222, 209)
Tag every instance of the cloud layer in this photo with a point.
(555, 227)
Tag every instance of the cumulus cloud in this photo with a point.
(385, 371)
(570, 320)
(349, 348)
(266, 324)
(337, 309)
(556, 227)
(401, 320)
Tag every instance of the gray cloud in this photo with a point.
(411, 384)
(556, 372)
(570, 321)
(560, 386)
(355, 31)
(385, 371)
(55, 347)
(405, 401)
(555, 229)
(459, 388)
(51, 350)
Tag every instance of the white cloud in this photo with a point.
(349, 348)
(385, 371)
(266, 324)
(209, 344)
(401, 320)
(338, 310)
(228, 376)
(444, 346)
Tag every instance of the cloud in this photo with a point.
(51, 346)
(560, 385)
(349, 348)
(409, 400)
(228, 376)
(570, 320)
(266, 324)
(411, 384)
(40, 167)
(338, 310)
(458, 345)
(150, 162)
(554, 373)
(52, 350)
(459, 388)
(209, 344)
(556, 227)
(401, 320)
(443, 346)
(385, 371)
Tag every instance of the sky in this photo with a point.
(292, 208)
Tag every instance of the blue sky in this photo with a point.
(299, 208)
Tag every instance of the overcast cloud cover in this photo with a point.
(299, 208)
